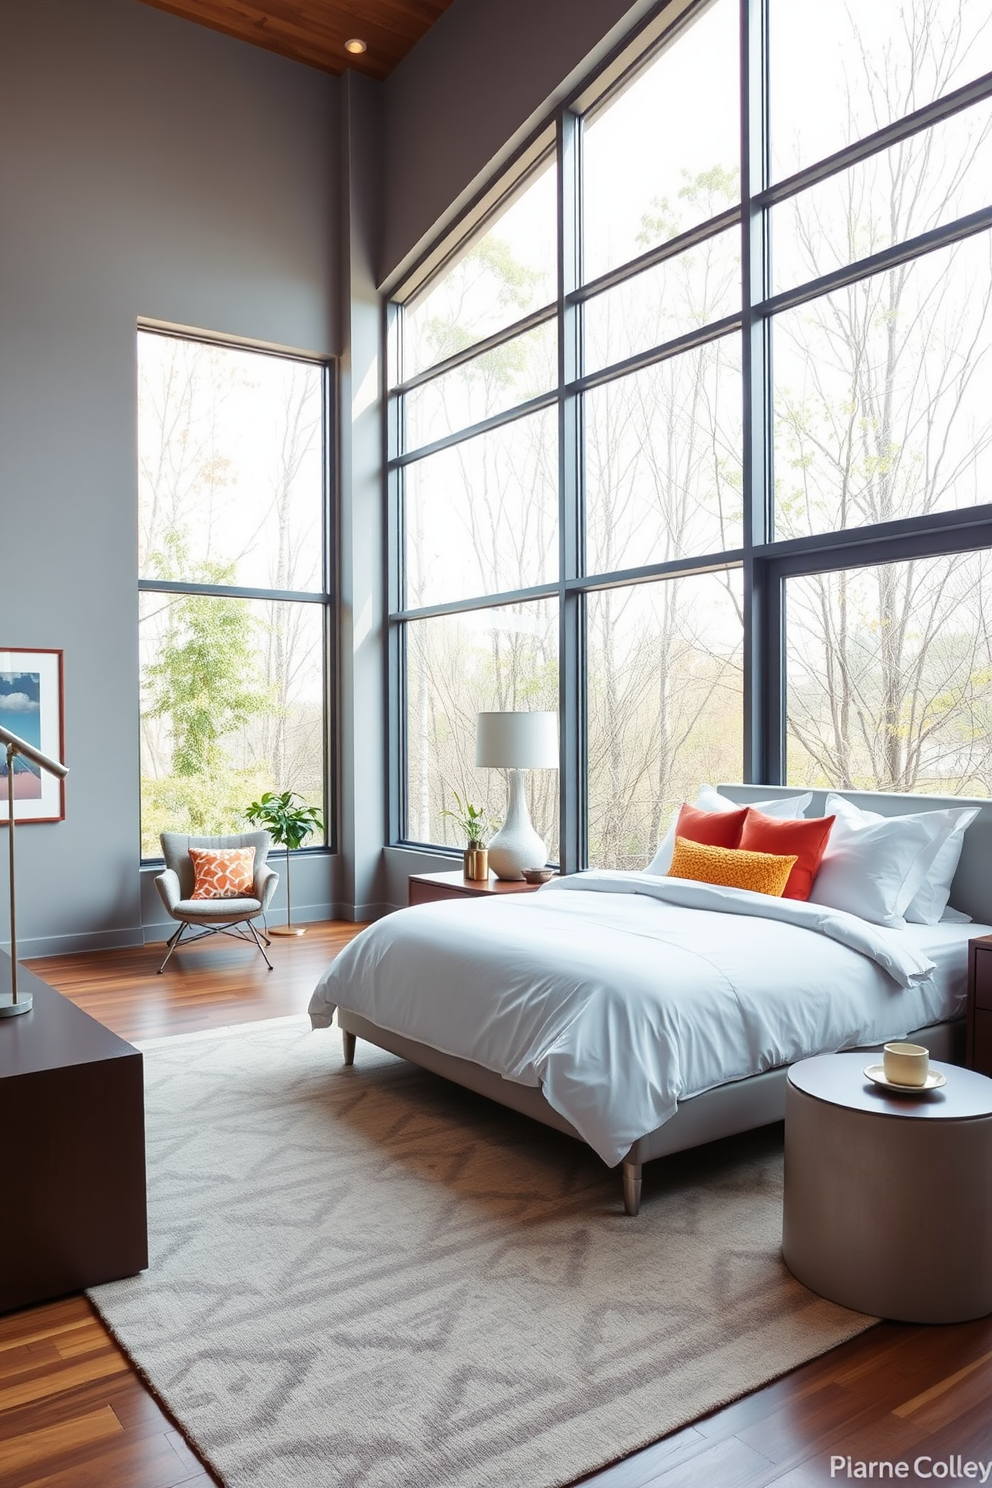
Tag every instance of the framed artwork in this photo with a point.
(31, 708)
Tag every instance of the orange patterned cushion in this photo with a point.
(763, 873)
(223, 872)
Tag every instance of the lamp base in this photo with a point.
(287, 930)
(10, 1009)
(516, 845)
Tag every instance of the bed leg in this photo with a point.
(348, 1040)
(632, 1187)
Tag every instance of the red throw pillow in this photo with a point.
(806, 838)
(711, 828)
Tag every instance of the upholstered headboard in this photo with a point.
(971, 890)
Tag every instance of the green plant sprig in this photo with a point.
(473, 821)
(289, 825)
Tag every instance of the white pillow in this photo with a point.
(785, 808)
(928, 904)
(874, 866)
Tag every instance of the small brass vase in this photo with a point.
(476, 863)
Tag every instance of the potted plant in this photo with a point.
(289, 825)
(476, 826)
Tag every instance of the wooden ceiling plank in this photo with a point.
(274, 21)
(335, 33)
(381, 23)
(314, 31)
(254, 33)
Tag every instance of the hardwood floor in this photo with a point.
(206, 985)
(74, 1414)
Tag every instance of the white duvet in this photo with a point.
(621, 994)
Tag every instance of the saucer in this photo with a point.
(934, 1081)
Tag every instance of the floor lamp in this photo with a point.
(10, 1003)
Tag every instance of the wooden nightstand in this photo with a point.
(72, 1097)
(425, 888)
(980, 1004)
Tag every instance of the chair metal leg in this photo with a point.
(237, 931)
(258, 942)
(172, 943)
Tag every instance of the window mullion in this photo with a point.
(761, 657)
(571, 683)
(395, 587)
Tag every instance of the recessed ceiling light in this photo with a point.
(355, 45)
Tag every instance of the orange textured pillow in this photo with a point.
(223, 872)
(713, 828)
(807, 839)
(762, 873)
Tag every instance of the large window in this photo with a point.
(890, 675)
(232, 565)
(692, 427)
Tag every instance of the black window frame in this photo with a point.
(766, 563)
(324, 597)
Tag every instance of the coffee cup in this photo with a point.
(906, 1064)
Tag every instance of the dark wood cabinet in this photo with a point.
(980, 1004)
(73, 1123)
(425, 888)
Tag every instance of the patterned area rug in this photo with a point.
(367, 1277)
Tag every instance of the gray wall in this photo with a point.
(362, 604)
(153, 168)
(148, 167)
(481, 79)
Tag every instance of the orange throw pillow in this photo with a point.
(223, 872)
(807, 839)
(762, 873)
(712, 828)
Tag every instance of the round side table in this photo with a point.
(888, 1198)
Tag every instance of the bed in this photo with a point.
(702, 1002)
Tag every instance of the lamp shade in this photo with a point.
(517, 741)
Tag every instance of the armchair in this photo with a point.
(214, 916)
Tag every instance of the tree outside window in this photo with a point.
(231, 526)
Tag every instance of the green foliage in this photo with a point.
(515, 282)
(707, 193)
(190, 804)
(473, 821)
(289, 824)
(511, 286)
(204, 680)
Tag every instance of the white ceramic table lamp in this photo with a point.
(516, 742)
